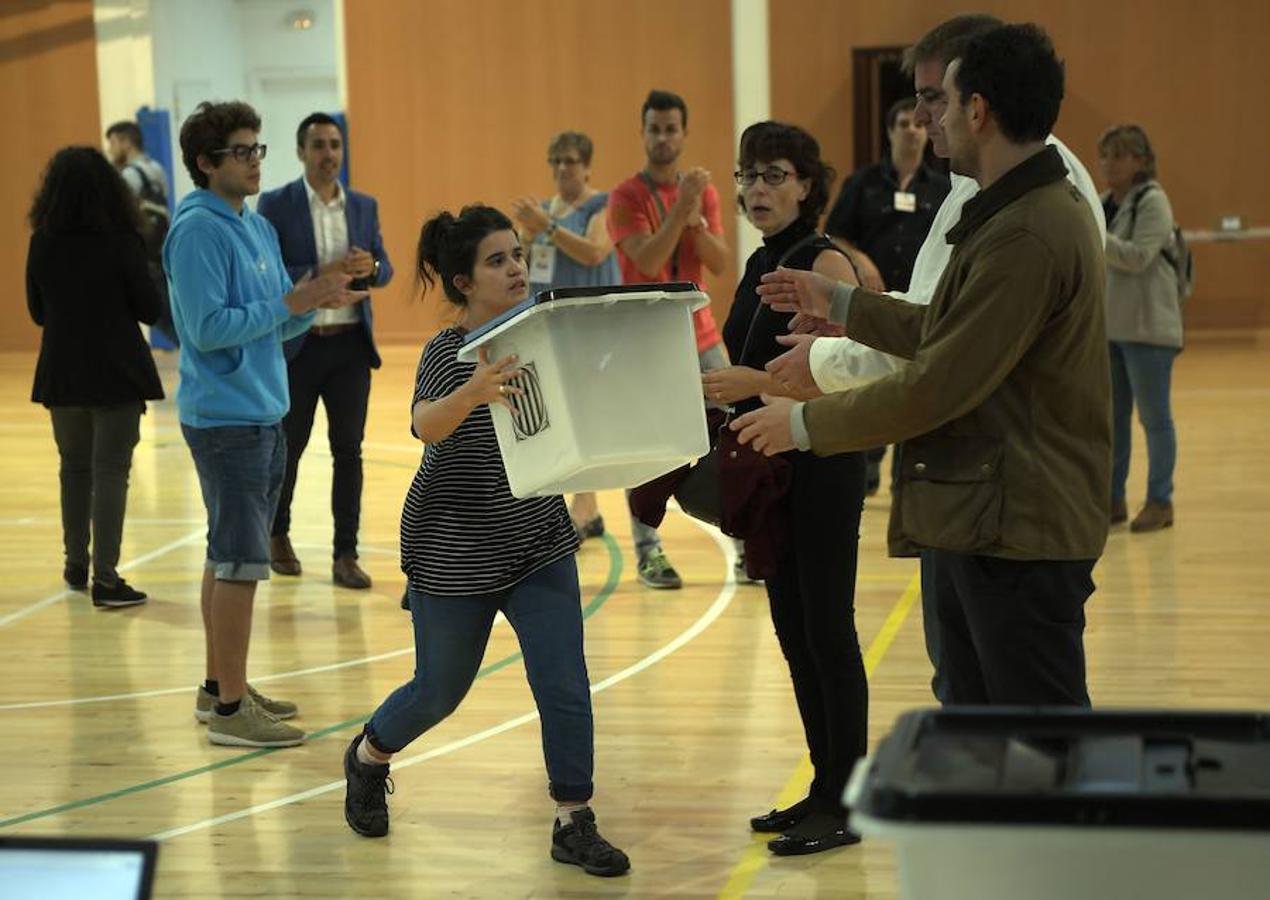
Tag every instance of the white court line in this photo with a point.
(131, 564)
(499, 619)
(707, 618)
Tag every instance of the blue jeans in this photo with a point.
(1140, 373)
(240, 471)
(451, 633)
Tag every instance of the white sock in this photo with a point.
(364, 757)
(564, 812)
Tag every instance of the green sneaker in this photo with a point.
(655, 571)
(251, 726)
(204, 703)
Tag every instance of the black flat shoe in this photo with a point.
(591, 528)
(779, 820)
(76, 577)
(817, 833)
(118, 595)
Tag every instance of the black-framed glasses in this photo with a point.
(773, 175)
(570, 161)
(243, 152)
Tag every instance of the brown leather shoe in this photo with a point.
(1153, 517)
(1119, 511)
(347, 573)
(282, 557)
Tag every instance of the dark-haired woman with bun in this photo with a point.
(470, 550)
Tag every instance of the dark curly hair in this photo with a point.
(82, 192)
(208, 128)
(447, 245)
(766, 142)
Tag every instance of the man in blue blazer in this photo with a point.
(324, 228)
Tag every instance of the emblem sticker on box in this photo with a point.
(530, 407)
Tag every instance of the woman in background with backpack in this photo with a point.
(1144, 319)
(87, 286)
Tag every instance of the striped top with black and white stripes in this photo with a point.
(462, 531)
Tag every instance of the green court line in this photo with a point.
(610, 585)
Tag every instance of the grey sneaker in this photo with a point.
(204, 703)
(655, 571)
(251, 726)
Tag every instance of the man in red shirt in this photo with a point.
(666, 223)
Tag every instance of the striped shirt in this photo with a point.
(462, 531)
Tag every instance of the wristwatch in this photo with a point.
(375, 272)
(551, 230)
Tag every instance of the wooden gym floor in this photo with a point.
(696, 725)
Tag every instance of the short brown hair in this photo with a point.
(208, 128)
(766, 142)
(947, 40)
(571, 140)
(1129, 140)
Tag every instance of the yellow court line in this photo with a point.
(756, 855)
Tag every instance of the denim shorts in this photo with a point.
(240, 471)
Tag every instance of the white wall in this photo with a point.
(173, 54)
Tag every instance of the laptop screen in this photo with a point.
(61, 869)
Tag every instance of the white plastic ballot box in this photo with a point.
(1049, 803)
(612, 387)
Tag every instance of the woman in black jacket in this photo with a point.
(784, 186)
(87, 286)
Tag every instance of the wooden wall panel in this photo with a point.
(48, 66)
(1192, 74)
(453, 102)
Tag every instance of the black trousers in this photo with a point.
(335, 369)
(812, 598)
(94, 444)
(1011, 631)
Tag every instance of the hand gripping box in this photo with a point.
(612, 386)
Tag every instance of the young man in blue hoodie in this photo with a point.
(233, 305)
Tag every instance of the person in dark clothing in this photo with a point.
(784, 188)
(883, 214)
(87, 286)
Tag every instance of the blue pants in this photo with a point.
(451, 633)
(1141, 373)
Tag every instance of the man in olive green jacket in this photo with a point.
(1005, 402)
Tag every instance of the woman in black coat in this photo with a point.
(88, 286)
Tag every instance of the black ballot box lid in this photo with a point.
(1070, 767)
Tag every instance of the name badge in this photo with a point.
(542, 263)
(905, 202)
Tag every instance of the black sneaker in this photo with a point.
(366, 794)
(580, 844)
(117, 595)
(75, 576)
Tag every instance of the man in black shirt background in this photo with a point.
(883, 214)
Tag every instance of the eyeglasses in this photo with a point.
(243, 152)
(773, 175)
(554, 161)
(932, 97)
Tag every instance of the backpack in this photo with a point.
(155, 218)
(1177, 253)
(155, 222)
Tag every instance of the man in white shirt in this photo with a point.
(323, 227)
(818, 365)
